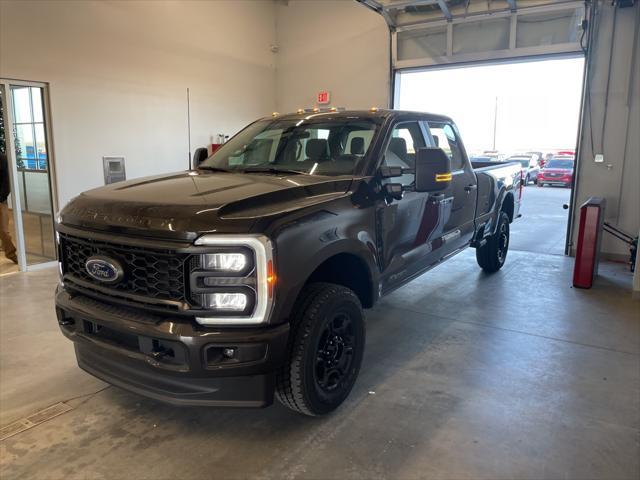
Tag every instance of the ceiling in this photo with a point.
(405, 13)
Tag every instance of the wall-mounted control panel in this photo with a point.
(114, 170)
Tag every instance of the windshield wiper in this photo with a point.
(272, 170)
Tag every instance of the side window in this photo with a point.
(445, 138)
(405, 139)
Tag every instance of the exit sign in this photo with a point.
(324, 97)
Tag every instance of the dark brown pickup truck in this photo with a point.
(247, 276)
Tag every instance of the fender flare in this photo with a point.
(343, 246)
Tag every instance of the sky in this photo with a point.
(538, 102)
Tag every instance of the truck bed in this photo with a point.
(484, 166)
(491, 177)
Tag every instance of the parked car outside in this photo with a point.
(530, 167)
(557, 171)
(537, 154)
(494, 155)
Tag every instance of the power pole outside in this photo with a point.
(495, 123)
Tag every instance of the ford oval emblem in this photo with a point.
(104, 269)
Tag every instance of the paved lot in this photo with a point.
(543, 226)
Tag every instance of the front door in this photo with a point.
(409, 227)
(25, 142)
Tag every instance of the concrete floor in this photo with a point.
(543, 226)
(514, 375)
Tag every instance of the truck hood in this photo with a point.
(185, 204)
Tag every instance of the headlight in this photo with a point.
(232, 282)
(232, 302)
(225, 262)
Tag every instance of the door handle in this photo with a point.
(468, 188)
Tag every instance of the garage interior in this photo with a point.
(465, 375)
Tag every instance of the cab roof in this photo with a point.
(380, 113)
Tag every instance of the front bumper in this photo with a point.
(173, 359)
(564, 181)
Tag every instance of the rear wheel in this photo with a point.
(492, 255)
(325, 350)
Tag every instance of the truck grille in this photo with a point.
(154, 274)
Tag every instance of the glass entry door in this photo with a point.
(26, 143)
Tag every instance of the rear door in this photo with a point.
(460, 226)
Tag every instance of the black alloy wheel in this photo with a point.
(325, 350)
(334, 353)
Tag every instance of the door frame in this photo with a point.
(16, 201)
(394, 95)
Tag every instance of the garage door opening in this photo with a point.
(525, 111)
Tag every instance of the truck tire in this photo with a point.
(492, 255)
(325, 350)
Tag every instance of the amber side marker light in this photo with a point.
(443, 177)
(271, 278)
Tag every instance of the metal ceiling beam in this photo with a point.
(445, 10)
(401, 5)
(473, 17)
(377, 7)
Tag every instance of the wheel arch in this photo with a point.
(508, 205)
(347, 263)
(350, 271)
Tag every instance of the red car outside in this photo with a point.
(557, 171)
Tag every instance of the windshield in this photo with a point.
(309, 146)
(563, 164)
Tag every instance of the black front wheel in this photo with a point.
(325, 350)
(492, 255)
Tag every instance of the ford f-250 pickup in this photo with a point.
(246, 276)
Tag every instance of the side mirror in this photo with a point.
(433, 170)
(199, 156)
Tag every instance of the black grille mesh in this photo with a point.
(157, 274)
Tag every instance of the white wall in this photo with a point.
(118, 73)
(335, 45)
(618, 178)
